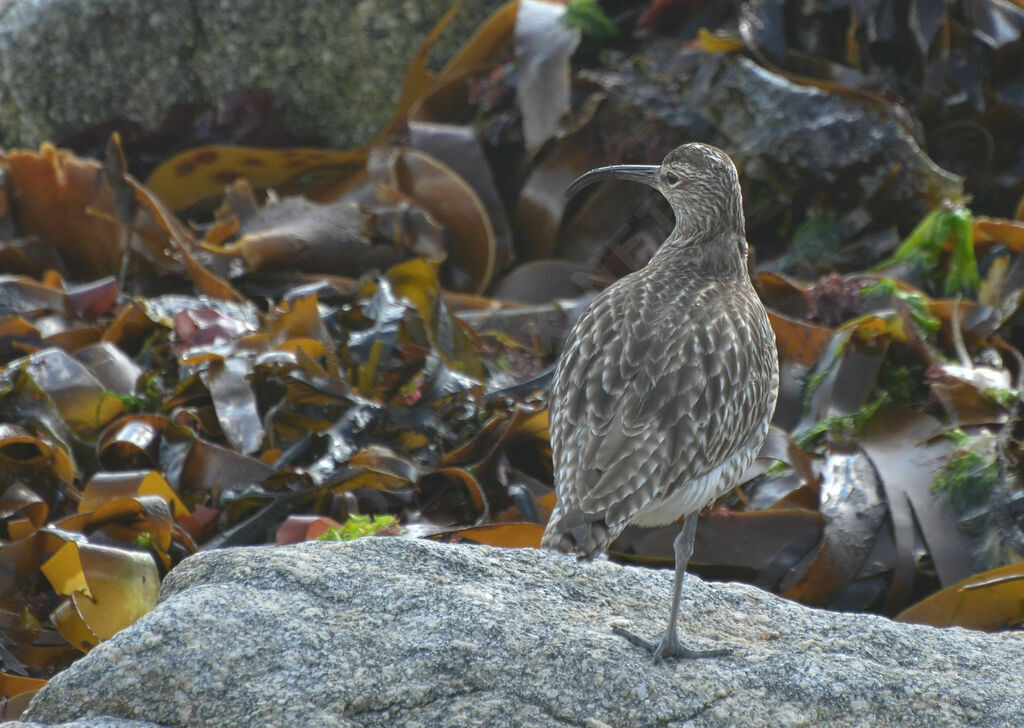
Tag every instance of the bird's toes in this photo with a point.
(649, 645)
(667, 647)
(673, 648)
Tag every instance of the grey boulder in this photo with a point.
(399, 632)
(334, 67)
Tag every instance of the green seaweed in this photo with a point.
(924, 244)
(841, 426)
(590, 18)
(967, 479)
(920, 314)
(357, 527)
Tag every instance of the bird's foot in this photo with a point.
(668, 646)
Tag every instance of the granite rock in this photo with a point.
(398, 632)
(334, 68)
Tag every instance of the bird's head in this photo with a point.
(698, 180)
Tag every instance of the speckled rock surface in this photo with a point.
(334, 66)
(94, 722)
(411, 633)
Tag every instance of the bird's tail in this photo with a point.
(576, 533)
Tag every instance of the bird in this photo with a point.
(666, 384)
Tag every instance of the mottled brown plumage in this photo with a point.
(663, 394)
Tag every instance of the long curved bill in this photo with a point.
(644, 173)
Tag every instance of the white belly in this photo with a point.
(697, 494)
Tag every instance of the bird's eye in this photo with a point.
(672, 178)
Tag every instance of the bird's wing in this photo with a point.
(649, 408)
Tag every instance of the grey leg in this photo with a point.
(669, 645)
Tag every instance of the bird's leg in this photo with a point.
(669, 645)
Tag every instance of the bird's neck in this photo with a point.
(706, 220)
(721, 255)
